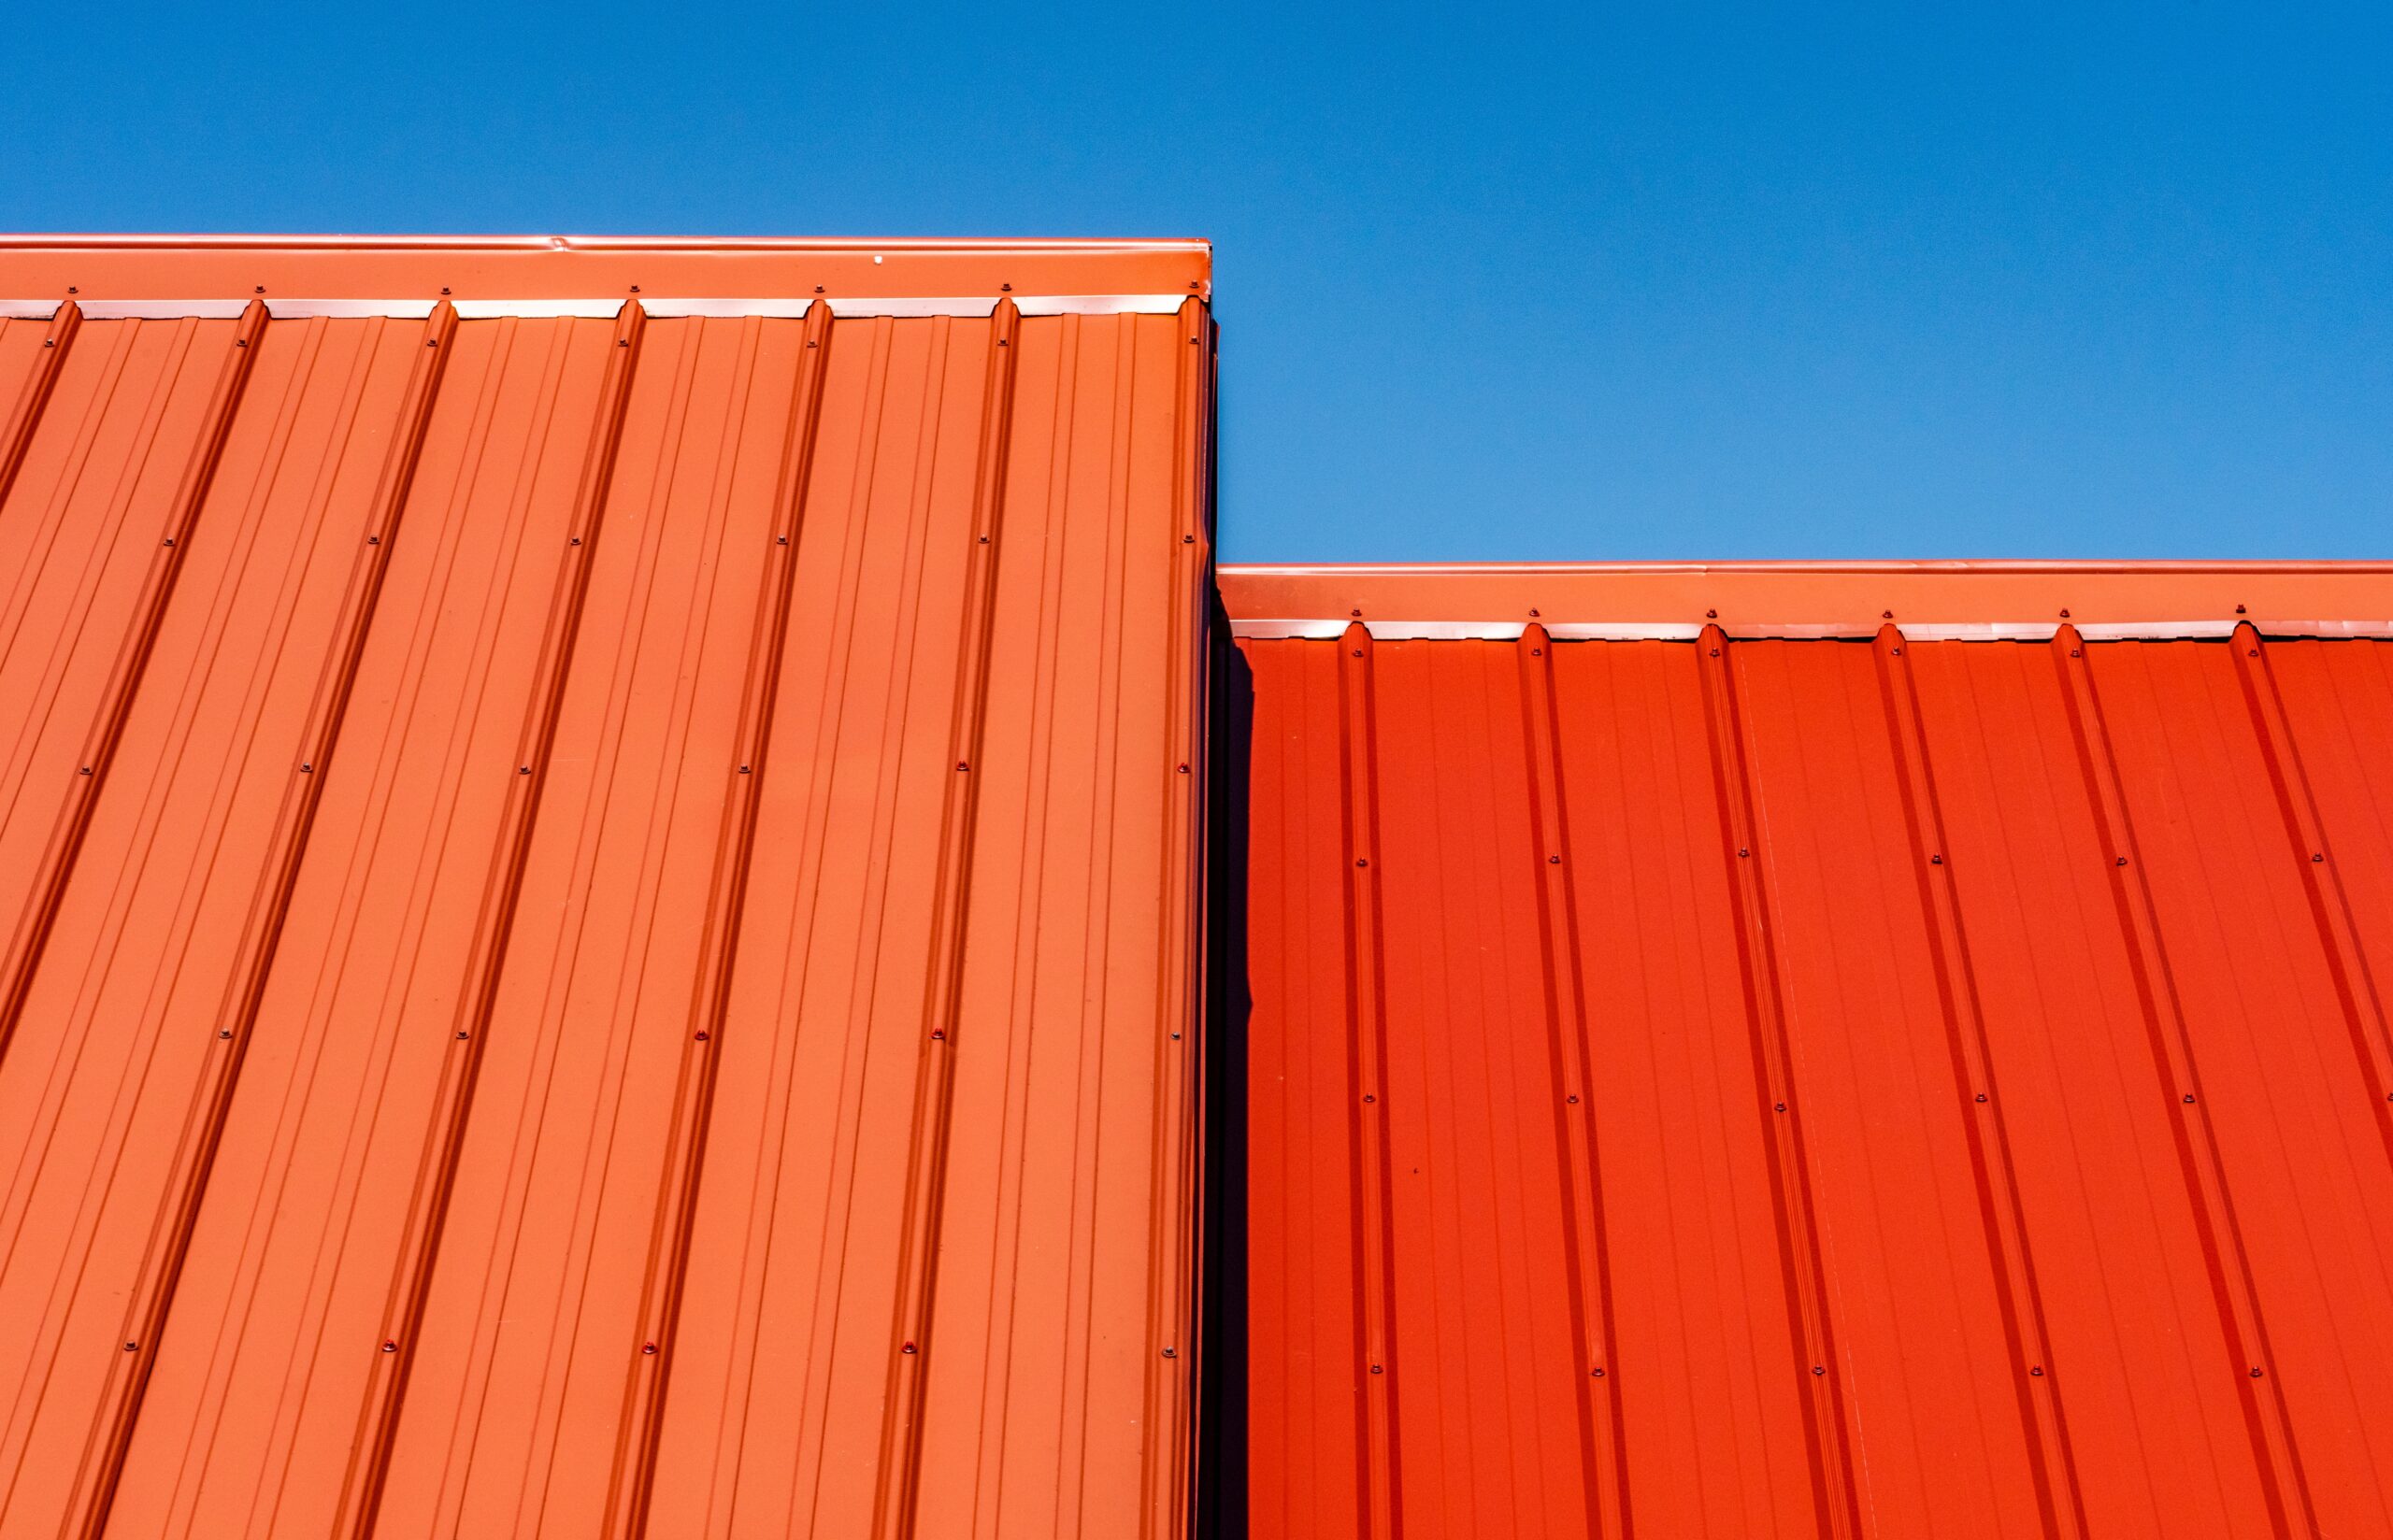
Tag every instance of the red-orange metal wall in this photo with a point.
(1852, 1087)
(600, 919)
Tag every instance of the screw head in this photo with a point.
(648, 1348)
(1171, 1352)
(2038, 1371)
(226, 1032)
(1781, 1107)
(908, 1347)
(1819, 1369)
(389, 1347)
(133, 1346)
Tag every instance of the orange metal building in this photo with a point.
(1848, 1050)
(602, 854)
(599, 865)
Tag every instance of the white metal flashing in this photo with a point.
(27, 309)
(1329, 629)
(348, 309)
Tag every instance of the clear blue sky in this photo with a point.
(1758, 281)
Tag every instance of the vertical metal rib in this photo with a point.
(1603, 1452)
(911, 1341)
(153, 1289)
(428, 1206)
(1818, 1372)
(2036, 1379)
(1381, 1493)
(2330, 906)
(1173, 1363)
(631, 1482)
(17, 435)
(2249, 1361)
(90, 772)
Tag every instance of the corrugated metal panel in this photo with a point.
(544, 855)
(1775, 1087)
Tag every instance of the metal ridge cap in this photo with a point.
(976, 246)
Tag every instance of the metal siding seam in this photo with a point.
(25, 416)
(125, 675)
(1173, 1264)
(897, 1478)
(2330, 905)
(369, 1458)
(640, 1424)
(1604, 1450)
(1833, 1483)
(1380, 1490)
(2036, 1382)
(2245, 1332)
(153, 1291)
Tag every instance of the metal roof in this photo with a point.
(1884, 1086)
(597, 855)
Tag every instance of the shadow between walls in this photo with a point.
(1222, 1302)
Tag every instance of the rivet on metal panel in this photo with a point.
(72, 290)
(1574, 1098)
(240, 342)
(2064, 615)
(389, 1345)
(1716, 652)
(2239, 609)
(702, 1036)
(373, 539)
(961, 765)
(2315, 856)
(1745, 851)
(85, 771)
(648, 1348)
(2073, 652)
(811, 342)
(1710, 614)
(1187, 539)
(573, 540)
(1537, 652)
(1005, 342)
(1936, 861)
(1897, 652)
(1981, 1096)
(1368, 1097)
(2256, 1374)
(1005, 288)
(1184, 769)
(1598, 1373)
(985, 539)
(170, 540)
(1819, 1369)
(1885, 614)
(444, 288)
(818, 288)
(2038, 1371)
(626, 342)
(1554, 860)
(1171, 1352)
(1358, 860)
(463, 1035)
(635, 288)
(907, 1347)
(225, 1031)
(2189, 1101)
(1782, 1106)
(261, 289)
(306, 767)
(938, 1035)
(1532, 612)
(523, 769)
(1377, 1370)
(432, 342)
(130, 1346)
(1175, 1037)
(1354, 612)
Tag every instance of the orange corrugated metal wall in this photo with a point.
(577, 848)
(1793, 1086)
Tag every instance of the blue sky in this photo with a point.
(1793, 281)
